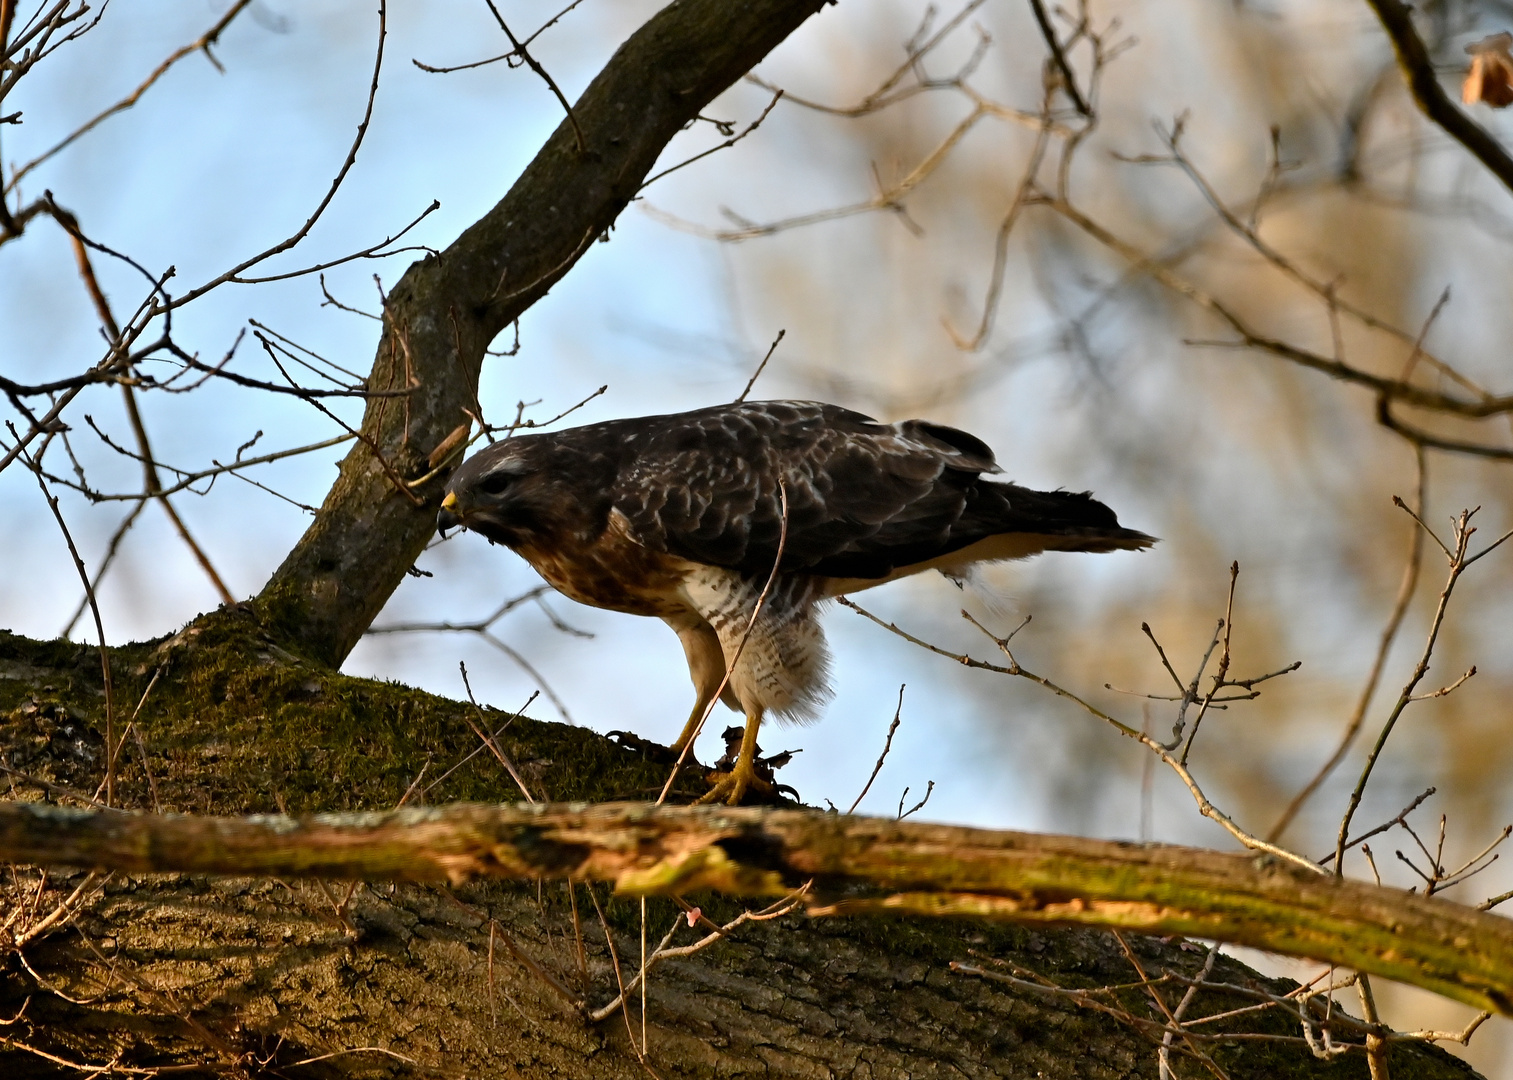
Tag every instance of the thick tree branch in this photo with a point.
(858, 865)
(446, 310)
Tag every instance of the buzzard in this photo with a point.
(689, 517)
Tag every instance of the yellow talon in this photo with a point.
(743, 775)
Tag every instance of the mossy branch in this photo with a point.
(856, 865)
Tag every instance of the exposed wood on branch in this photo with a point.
(859, 865)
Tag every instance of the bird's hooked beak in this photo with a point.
(446, 517)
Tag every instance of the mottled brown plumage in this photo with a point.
(681, 516)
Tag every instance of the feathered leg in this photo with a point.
(706, 667)
(776, 656)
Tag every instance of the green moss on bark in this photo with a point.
(235, 723)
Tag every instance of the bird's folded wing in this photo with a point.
(861, 497)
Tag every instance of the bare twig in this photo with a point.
(188, 479)
(151, 481)
(341, 175)
(1401, 817)
(513, 54)
(491, 741)
(1376, 1046)
(663, 952)
(1058, 56)
(1174, 1025)
(1205, 806)
(201, 44)
(1458, 560)
(887, 745)
(884, 95)
(518, 48)
(757, 374)
(94, 608)
(1027, 185)
(481, 745)
(727, 144)
(902, 813)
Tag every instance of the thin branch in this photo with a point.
(111, 548)
(491, 741)
(902, 813)
(480, 747)
(320, 209)
(399, 483)
(519, 49)
(1221, 676)
(187, 479)
(757, 374)
(727, 144)
(372, 251)
(476, 627)
(887, 745)
(1173, 1023)
(890, 198)
(1328, 292)
(1401, 817)
(882, 97)
(202, 44)
(1478, 408)
(1205, 806)
(1458, 563)
(152, 483)
(1027, 186)
(104, 650)
(506, 57)
(1145, 628)
(663, 953)
(1058, 55)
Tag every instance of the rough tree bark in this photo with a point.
(214, 975)
(844, 865)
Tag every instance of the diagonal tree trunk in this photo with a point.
(445, 311)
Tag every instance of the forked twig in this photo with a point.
(1459, 561)
(491, 741)
(1205, 806)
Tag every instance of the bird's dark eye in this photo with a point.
(495, 483)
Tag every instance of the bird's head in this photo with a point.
(526, 490)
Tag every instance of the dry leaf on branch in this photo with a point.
(1491, 77)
